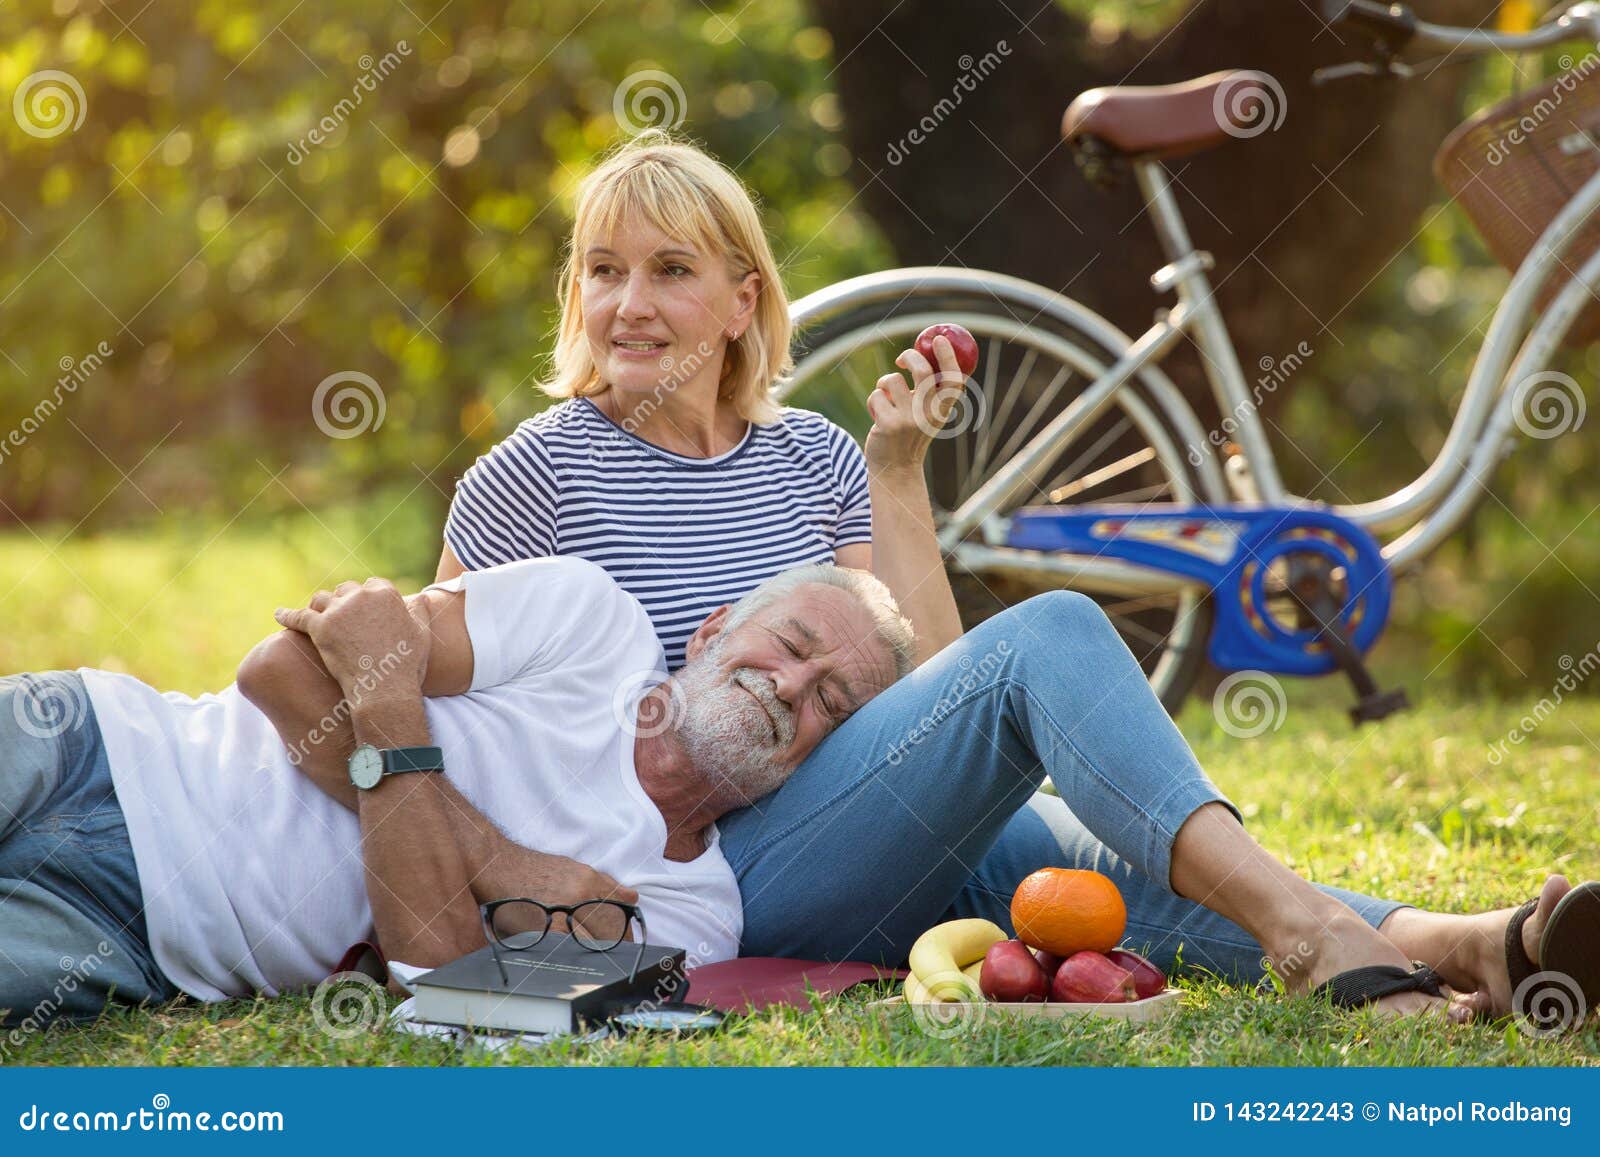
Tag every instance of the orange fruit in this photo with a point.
(1067, 910)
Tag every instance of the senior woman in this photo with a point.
(668, 464)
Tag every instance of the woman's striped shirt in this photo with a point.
(682, 535)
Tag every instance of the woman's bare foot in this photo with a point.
(1469, 951)
(1342, 941)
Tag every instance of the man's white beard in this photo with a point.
(724, 732)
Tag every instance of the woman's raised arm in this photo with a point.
(905, 550)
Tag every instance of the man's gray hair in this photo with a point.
(892, 628)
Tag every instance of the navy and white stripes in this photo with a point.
(682, 535)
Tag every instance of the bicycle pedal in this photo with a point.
(1379, 705)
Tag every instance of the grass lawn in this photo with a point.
(1412, 808)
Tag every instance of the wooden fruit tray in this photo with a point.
(1156, 1007)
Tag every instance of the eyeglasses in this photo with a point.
(519, 923)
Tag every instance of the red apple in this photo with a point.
(1010, 973)
(1048, 961)
(962, 342)
(1148, 980)
(1088, 977)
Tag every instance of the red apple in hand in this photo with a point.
(1148, 980)
(1089, 978)
(1010, 973)
(962, 342)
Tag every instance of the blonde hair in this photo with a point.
(689, 196)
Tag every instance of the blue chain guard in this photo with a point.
(1230, 549)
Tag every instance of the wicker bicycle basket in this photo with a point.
(1512, 168)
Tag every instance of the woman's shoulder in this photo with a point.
(815, 436)
(808, 425)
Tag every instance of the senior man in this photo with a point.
(516, 738)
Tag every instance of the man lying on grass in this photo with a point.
(485, 739)
(173, 841)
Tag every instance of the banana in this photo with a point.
(943, 951)
(915, 993)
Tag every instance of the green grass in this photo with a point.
(1412, 809)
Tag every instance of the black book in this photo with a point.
(556, 986)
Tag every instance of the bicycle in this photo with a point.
(1201, 550)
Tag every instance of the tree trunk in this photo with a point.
(1301, 219)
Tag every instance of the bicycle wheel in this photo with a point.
(1028, 370)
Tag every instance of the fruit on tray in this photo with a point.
(1010, 973)
(962, 344)
(940, 954)
(915, 993)
(1148, 980)
(1048, 961)
(1091, 978)
(1068, 910)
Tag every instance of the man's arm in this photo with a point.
(285, 678)
(430, 856)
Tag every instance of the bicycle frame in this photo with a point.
(1429, 508)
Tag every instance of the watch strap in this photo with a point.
(402, 759)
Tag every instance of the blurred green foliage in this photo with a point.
(261, 196)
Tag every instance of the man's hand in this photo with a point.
(500, 870)
(367, 638)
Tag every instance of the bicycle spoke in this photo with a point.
(1143, 494)
(1104, 474)
(1125, 624)
(997, 421)
(1014, 443)
(1144, 603)
(1088, 455)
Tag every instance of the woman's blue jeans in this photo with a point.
(924, 805)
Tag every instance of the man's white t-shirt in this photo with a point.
(252, 878)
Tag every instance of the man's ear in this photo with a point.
(706, 631)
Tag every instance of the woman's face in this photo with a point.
(657, 312)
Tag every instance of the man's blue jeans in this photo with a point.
(72, 930)
(923, 806)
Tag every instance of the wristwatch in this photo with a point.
(368, 764)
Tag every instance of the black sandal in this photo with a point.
(1356, 987)
(1558, 992)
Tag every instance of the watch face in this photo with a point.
(366, 766)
